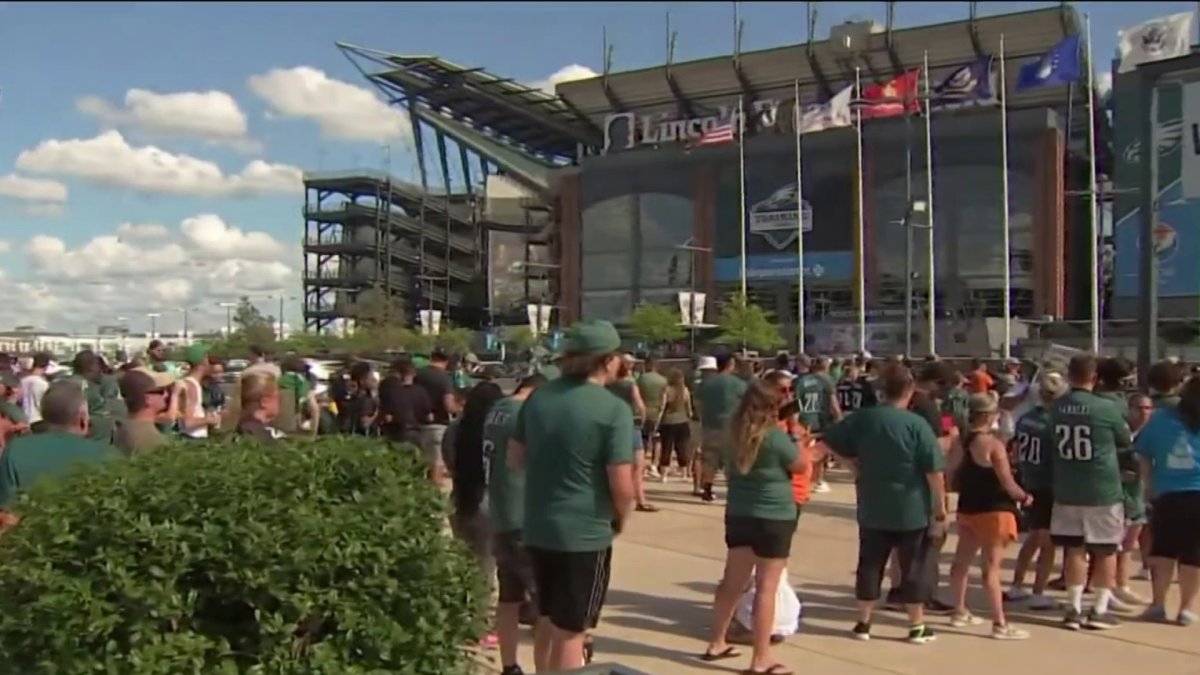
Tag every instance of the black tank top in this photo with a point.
(979, 490)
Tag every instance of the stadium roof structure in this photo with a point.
(533, 122)
(823, 67)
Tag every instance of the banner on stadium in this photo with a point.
(539, 318)
(1189, 169)
(691, 308)
(431, 321)
(818, 265)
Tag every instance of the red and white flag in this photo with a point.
(890, 99)
(722, 133)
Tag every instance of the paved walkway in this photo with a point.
(667, 564)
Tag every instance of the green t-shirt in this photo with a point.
(102, 397)
(1084, 434)
(765, 491)
(815, 394)
(719, 397)
(549, 371)
(505, 487)
(651, 385)
(53, 453)
(13, 412)
(573, 431)
(895, 450)
(954, 404)
(1034, 463)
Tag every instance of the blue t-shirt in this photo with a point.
(1173, 451)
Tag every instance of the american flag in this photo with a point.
(722, 133)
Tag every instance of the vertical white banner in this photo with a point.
(531, 311)
(426, 322)
(685, 308)
(698, 308)
(435, 321)
(1189, 174)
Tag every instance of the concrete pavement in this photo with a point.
(667, 564)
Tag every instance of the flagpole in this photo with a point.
(1007, 349)
(741, 122)
(799, 231)
(860, 258)
(1094, 230)
(931, 266)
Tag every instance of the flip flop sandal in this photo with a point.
(777, 669)
(727, 653)
(647, 508)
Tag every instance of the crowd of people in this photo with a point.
(547, 475)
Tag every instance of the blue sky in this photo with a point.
(54, 54)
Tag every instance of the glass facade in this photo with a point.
(634, 220)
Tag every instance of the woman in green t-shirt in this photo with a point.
(760, 519)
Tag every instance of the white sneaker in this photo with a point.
(1127, 596)
(1117, 604)
(821, 487)
(1016, 594)
(653, 471)
(1040, 603)
(964, 620)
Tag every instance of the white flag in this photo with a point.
(832, 114)
(1155, 40)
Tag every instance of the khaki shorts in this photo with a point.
(714, 448)
(431, 444)
(1088, 525)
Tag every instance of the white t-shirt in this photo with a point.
(33, 388)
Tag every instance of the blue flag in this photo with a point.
(972, 84)
(1061, 65)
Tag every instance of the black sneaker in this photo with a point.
(920, 635)
(894, 602)
(862, 631)
(1096, 621)
(938, 607)
(1072, 620)
(708, 496)
(512, 670)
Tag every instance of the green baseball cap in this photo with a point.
(195, 354)
(592, 337)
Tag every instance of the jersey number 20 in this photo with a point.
(809, 403)
(1074, 442)
(1029, 448)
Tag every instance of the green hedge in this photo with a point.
(331, 557)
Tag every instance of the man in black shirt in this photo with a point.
(436, 382)
(403, 406)
(855, 390)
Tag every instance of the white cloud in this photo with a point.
(565, 74)
(32, 189)
(206, 115)
(109, 160)
(197, 264)
(343, 111)
(5, 246)
(1104, 83)
(142, 231)
(40, 198)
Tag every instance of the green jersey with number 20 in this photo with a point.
(1084, 434)
(814, 394)
(1034, 463)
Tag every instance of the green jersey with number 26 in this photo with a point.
(1084, 434)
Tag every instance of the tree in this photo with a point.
(656, 324)
(375, 308)
(747, 325)
(520, 338)
(455, 340)
(251, 326)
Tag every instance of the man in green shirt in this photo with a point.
(506, 510)
(1085, 433)
(652, 385)
(61, 447)
(10, 390)
(102, 394)
(575, 440)
(719, 397)
(816, 396)
(901, 496)
(1035, 466)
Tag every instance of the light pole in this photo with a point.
(124, 321)
(282, 299)
(692, 250)
(912, 209)
(153, 316)
(228, 306)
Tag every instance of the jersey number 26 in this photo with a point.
(1074, 442)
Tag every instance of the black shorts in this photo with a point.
(1175, 527)
(649, 431)
(1037, 517)
(770, 539)
(571, 586)
(514, 571)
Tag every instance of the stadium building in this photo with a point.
(599, 198)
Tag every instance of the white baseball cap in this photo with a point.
(707, 363)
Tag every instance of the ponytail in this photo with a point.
(1189, 405)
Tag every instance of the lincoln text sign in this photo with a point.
(628, 130)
